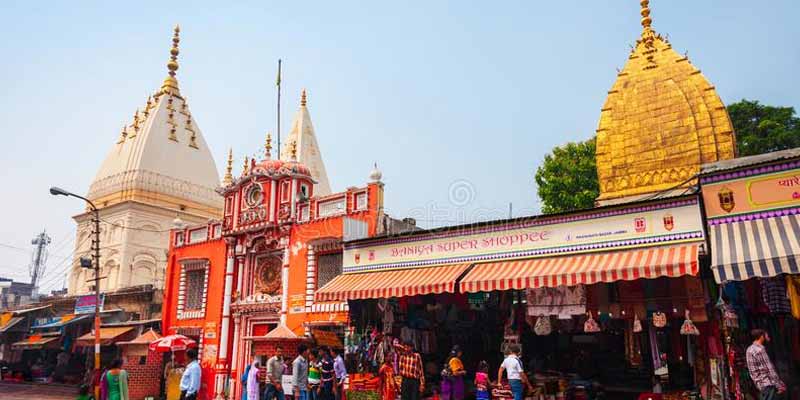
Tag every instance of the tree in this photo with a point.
(567, 179)
(762, 128)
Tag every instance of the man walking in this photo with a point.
(275, 369)
(763, 374)
(411, 369)
(190, 380)
(300, 373)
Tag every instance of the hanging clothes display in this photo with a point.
(562, 301)
(773, 291)
(793, 291)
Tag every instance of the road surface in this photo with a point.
(26, 391)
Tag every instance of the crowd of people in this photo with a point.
(316, 374)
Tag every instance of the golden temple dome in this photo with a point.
(661, 120)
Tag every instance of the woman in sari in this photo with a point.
(114, 383)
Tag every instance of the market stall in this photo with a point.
(617, 287)
(753, 215)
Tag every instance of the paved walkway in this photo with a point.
(27, 391)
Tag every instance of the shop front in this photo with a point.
(753, 215)
(609, 301)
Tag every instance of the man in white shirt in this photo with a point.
(516, 374)
(190, 381)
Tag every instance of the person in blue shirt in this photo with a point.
(190, 381)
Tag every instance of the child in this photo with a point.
(482, 381)
(388, 384)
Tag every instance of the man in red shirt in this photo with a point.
(411, 369)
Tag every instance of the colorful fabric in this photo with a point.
(761, 370)
(388, 383)
(456, 365)
(116, 385)
(411, 366)
(793, 291)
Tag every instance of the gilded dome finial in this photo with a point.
(170, 85)
(268, 146)
(646, 20)
(172, 65)
(228, 179)
(303, 98)
(246, 166)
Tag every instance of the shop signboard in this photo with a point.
(326, 338)
(85, 304)
(750, 191)
(639, 225)
(297, 304)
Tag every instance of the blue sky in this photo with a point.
(457, 101)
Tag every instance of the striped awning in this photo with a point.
(759, 247)
(395, 283)
(651, 262)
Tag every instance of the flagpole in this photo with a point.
(278, 83)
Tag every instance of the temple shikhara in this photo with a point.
(661, 121)
(159, 168)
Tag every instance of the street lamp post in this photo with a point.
(55, 191)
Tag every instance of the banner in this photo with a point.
(85, 304)
(635, 226)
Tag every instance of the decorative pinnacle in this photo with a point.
(246, 166)
(172, 65)
(293, 149)
(123, 135)
(303, 98)
(268, 146)
(646, 20)
(228, 179)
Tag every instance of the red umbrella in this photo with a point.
(172, 343)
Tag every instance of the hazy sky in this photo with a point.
(456, 101)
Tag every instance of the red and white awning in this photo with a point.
(396, 283)
(651, 262)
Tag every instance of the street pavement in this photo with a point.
(25, 391)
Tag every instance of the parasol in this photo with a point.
(172, 343)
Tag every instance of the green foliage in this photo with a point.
(567, 180)
(763, 129)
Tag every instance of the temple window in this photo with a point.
(329, 266)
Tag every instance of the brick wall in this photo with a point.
(144, 379)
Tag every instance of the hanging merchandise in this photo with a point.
(773, 292)
(543, 327)
(591, 326)
(688, 327)
(659, 319)
(562, 301)
(637, 324)
(729, 316)
(793, 290)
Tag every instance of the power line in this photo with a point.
(135, 229)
